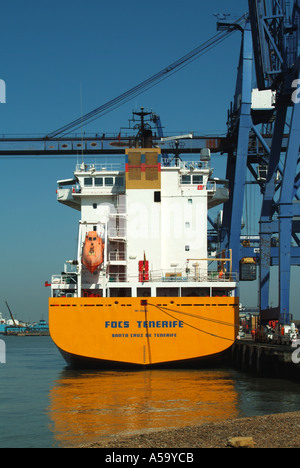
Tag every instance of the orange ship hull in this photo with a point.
(110, 332)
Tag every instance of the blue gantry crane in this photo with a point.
(266, 136)
(263, 139)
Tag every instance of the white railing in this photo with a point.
(117, 256)
(211, 186)
(120, 166)
(117, 233)
(101, 167)
(118, 210)
(192, 276)
(189, 165)
(179, 277)
(64, 279)
(176, 277)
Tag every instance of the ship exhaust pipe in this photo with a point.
(147, 141)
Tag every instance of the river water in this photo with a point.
(44, 404)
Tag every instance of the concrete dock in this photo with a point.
(265, 359)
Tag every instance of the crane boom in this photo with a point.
(144, 85)
(11, 315)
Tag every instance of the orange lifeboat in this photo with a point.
(92, 255)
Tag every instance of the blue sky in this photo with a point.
(63, 58)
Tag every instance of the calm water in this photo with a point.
(43, 404)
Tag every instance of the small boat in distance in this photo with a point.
(40, 328)
(92, 255)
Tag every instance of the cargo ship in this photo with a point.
(143, 291)
(40, 328)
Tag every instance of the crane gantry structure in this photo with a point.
(267, 137)
(259, 137)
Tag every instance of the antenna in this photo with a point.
(81, 110)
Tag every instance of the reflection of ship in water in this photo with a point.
(88, 406)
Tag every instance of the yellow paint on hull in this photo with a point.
(122, 330)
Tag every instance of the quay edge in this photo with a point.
(265, 360)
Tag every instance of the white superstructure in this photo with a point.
(153, 223)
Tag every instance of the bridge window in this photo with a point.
(119, 181)
(186, 179)
(88, 181)
(103, 181)
(198, 179)
(109, 181)
(98, 181)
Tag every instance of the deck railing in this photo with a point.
(175, 277)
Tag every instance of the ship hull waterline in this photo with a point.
(143, 333)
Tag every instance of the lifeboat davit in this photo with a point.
(92, 254)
